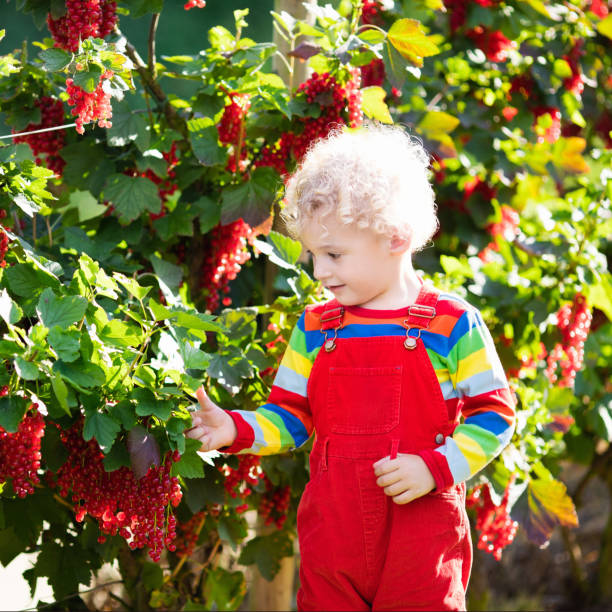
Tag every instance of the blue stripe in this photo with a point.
(249, 417)
(292, 423)
(490, 421)
(289, 380)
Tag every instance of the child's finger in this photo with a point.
(203, 399)
(385, 465)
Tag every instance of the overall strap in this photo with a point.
(332, 315)
(421, 313)
(331, 319)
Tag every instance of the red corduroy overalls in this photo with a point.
(371, 398)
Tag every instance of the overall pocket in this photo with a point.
(364, 400)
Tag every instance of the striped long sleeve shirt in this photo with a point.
(464, 359)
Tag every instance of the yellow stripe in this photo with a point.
(442, 375)
(296, 362)
(270, 433)
(472, 452)
(473, 364)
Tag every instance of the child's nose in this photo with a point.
(319, 270)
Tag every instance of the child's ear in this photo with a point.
(399, 244)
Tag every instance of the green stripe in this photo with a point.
(487, 440)
(469, 343)
(298, 343)
(286, 439)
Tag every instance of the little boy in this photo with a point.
(400, 382)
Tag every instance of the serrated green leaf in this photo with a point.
(117, 457)
(12, 409)
(198, 321)
(147, 404)
(55, 59)
(66, 343)
(9, 310)
(121, 334)
(81, 373)
(54, 452)
(133, 287)
(60, 391)
(267, 552)
(287, 249)
(26, 370)
(26, 281)
(86, 205)
(101, 427)
(128, 127)
(88, 79)
(190, 465)
(132, 196)
(224, 588)
(206, 146)
(251, 200)
(62, 311)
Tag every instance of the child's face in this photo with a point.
(360, 267)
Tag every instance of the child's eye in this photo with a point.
(334, 255)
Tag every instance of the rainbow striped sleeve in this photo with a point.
(285, 422)
(484, 398)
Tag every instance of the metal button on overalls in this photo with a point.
(371, 397)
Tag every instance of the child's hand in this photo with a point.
(404, 478)
(212, 426)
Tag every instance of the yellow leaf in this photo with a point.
(541, 8)
(408, 37)
(568, 156)
(373, 104)
(438, 122)
(605, 26)
(552, 497)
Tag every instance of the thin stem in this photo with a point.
(49, 232)
(180, 564)
(152, 32)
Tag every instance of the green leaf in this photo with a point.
(193, 357)
(152, 576)
(600, 294)
(139, 8)
(374, 105)
(101, 427)
(131, 196)
(117, 457)
(190, 465)
(147, 404)
(88, 79)
(26, 281)
(251, 200)
(205, 144)
(198, 321)
(224, 589)
(121, 334)
(408, 37)
(9, 311)
(169, 274)
(55, 59)
(128, 127)
(11, 546)
(86, 205)
(601, 418)
(209, 213)
(12, 409)
(287, 249)
(26, 370)
(54, 452)
(267, 552)
(132, 286)
(65, 343)
(124, 413)
(230, 368)
(62, 311)
(81, 373)
(61, 391)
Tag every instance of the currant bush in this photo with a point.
(239, 482)
(274, 504)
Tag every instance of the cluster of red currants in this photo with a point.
(335, 101)
(188, 534)
(20, 451)
(94, 106)
(274, 504)
(231, 130)
(138, 510)
(47, 143)
(574, 322)
(83, 19)
(4, 245)
(371, 12)
(194, 4)
(226, 254)
(239, 482)
(496, 528)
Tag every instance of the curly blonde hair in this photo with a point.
(373, 177)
